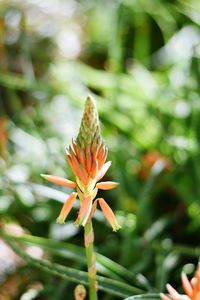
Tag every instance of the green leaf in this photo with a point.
(182, 249)
(144, 297)
(70, 251)
(111, 286)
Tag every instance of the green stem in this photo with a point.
(91, 259)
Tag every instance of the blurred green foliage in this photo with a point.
(141, 60)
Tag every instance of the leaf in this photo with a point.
(77, 253)
(111, 286)
(18, 82)
(144, 297)
(178, 248)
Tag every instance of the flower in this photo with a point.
(149, 161)
(87, 157)
(191, 288)
(80, 292)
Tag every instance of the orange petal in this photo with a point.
(59, 180)
(109, 214)
(107, 185)
(186, 285)
(75, 147)
(73, 156)
(66, 208)
(103, 170)
(71, 151)
(88, 158)
(99, 150)
(81, 156)
(82, 174)
(102, 156)
(94, 206)
(95, 148)
(73, 166)
(94, 169)
(84, 211)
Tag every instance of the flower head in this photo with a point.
(191, 288)
(87, 157)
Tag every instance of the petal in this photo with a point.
(103, 170)
(74, 159)
(194, 282)
(59, 180)
(107, 185)
(75, 147)
(96, 144)
(100, 150)
(94, 169)
(88, 158)
(82, 174)
(197, 273)
(81, 156)
(173, 292)
(72, 164)
(84, 212)
(94, 206)
(164, 297)
(66, 208)
(102, 155)
(186, 285)
(109, 214)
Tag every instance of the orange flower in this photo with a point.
(87, 158)
(149, 160)
(191, 288)
(3, 136)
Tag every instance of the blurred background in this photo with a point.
(141, 61)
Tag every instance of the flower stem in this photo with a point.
(91, 259)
